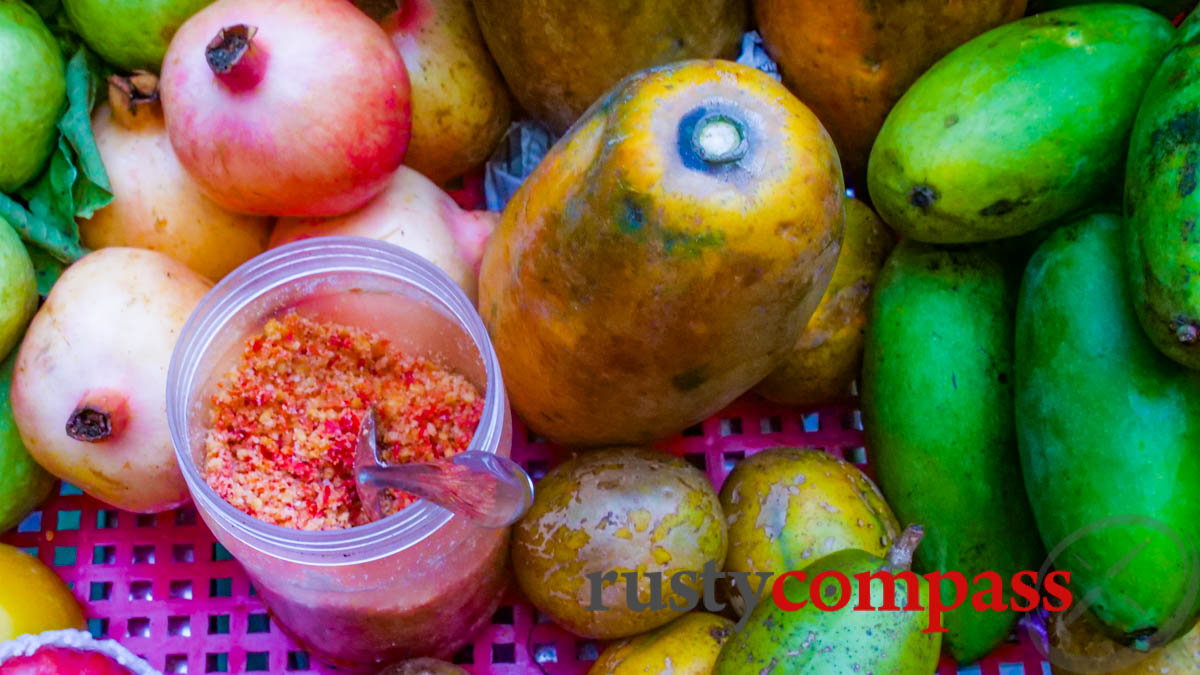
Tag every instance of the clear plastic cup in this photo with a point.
(419, 582)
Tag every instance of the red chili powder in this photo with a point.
(284, 422)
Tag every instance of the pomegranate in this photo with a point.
(88, 390)
(156, 205)
(286, 107)
(69, 652)
(413, 213)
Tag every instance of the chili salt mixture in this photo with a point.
(284, 422)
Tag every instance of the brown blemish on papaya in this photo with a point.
(689, 379)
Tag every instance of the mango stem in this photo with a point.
(900, 555)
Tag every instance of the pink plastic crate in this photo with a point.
(162, 586)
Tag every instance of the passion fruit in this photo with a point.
(610, 513)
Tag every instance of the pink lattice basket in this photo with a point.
(163, 587)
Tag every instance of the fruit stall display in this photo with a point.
(747, 288)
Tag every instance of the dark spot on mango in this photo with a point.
(1001, 207)
(689, 379)
(951, 120)
(1187, 330)
(1187, 175)
(922, 196)
(1183, 129)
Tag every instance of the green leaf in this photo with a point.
(93, 191)
(46, 268)
(34, 229)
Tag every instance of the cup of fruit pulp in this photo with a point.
(418, 582)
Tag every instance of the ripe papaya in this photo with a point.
(1108, 429)
(1162, 204)
(937, 403)
(559, 57)
(828, 353)
(851, 60)
(1017, 128)
(664, 256)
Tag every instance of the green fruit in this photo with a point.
(131, 34)
(1168, 8)
(937, 408)
(23, 484)
(1017, 128)
(1108, 430)
(817, 642)
(1162, 205)
(33, 89)
(789, 507)
(18, 288)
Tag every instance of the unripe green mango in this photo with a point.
(937, 408)
(1109, 434)
(1168, 8)
(1162, 204)
(812, 641)
(1017, 128)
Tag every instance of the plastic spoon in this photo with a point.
(491, 490)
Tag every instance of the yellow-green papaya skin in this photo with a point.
(617, 510)
(851, 60)
(1108, 430)
(828, 354)
(560, 57)
(633, 288)
(1162, 204)
(1019, 127)
(811, 641)
(688, 645)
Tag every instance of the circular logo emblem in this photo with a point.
(1123, 656)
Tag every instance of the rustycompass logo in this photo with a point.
(832, 591)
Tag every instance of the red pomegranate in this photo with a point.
(286, 107)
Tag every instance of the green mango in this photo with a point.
(1168, 8)
(817, 642)
(1109, 433)
(1017, 128)
(1162, 204)
(23, 483)
(937, 405)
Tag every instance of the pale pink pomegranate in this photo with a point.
(286, 107)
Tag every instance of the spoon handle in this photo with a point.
(491, 490)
